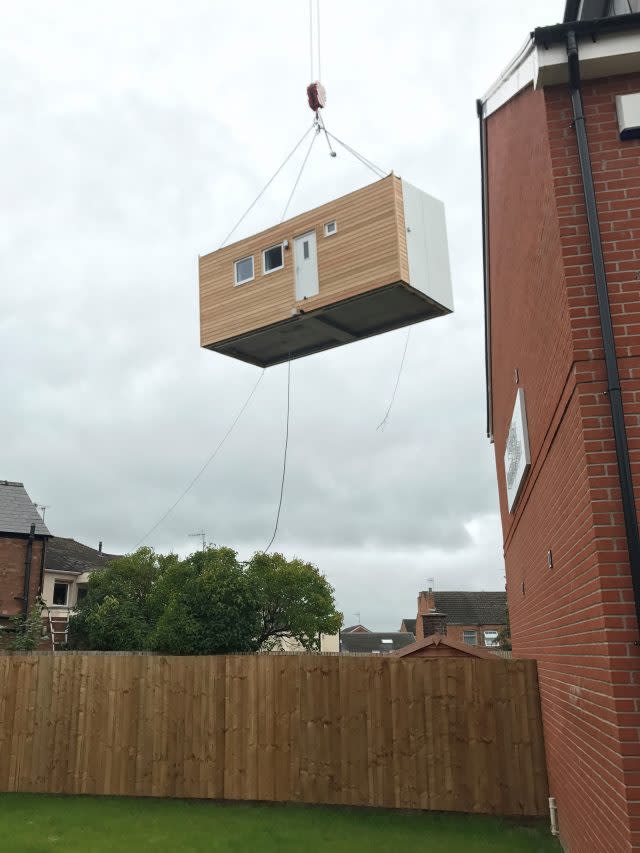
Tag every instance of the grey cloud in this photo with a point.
(125, 152)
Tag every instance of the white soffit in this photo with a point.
(610, 54)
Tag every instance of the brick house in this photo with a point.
(23, 539)
(474, 618)
(67, 567)
(560, 166)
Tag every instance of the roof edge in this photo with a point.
(443, 640)
(558, 32)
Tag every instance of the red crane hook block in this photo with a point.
(317, 96)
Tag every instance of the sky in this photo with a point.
(134, 135)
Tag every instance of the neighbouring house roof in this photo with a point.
(357, 629)
(440, 640)
(17, 510)
(371, 642)
(67, 555)
(409, 625)
(473, 608)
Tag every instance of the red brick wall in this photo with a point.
(456, 632)
(13, 555)
(578, 618)
(426, 603)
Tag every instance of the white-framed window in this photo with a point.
(491, 638)
(330, 228)
(243, 270)
(60, 593)
(273, 259)
(470, 638)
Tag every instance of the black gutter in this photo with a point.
(27, 570)
(558, 33)
(485, 266)
(608, 340)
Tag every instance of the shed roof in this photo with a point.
(372, 641)
(17, 510)
(67, 555)
(473, 608)
(440, 640)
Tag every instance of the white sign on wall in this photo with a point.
(517, 459)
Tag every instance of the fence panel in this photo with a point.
(449, 734)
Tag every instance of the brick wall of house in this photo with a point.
(427, 603)
(13, 555)
(577, 619)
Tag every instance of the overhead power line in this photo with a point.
(210, 459)
(284, 461)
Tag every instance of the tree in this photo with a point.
(294, 599)
(118, 613)
(28, 629)
(208, 605)
(504, 635)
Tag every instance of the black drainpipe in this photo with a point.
(611, 362)
(27, 570)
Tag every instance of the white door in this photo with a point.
(306, 260)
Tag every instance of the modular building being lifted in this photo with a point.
(366, 263)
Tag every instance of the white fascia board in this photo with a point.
(61, 572)
(609, 55)
(515, 77)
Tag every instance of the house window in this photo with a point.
(330, 228)
(470, 638)
(82, 593)
(491, 638)
(272, 259)
(244, 270)
(60, 594)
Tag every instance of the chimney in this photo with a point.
(100, 547)
(434, 622)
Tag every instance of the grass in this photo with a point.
(32, 823)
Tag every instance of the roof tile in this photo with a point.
(17, 510)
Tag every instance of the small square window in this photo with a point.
(244, 270)
(272, 259)
(60, 593)
(330, 228)
(470, 638)
(491, 638)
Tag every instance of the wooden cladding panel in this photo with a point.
(402, 232)
(362, 255)
(450, 734)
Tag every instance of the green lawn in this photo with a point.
(30, 823)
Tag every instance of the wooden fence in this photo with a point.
(448, 734)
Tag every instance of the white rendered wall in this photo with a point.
(427, 245)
